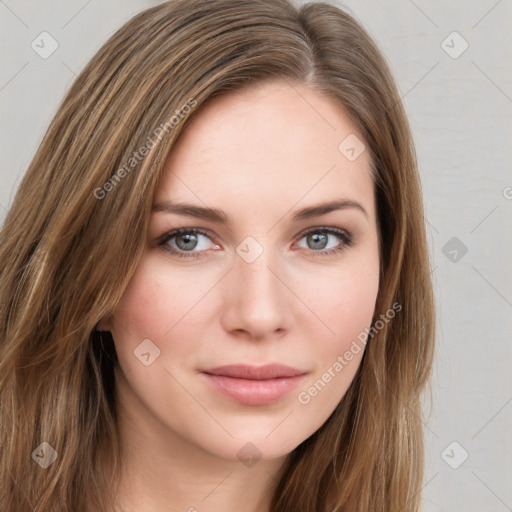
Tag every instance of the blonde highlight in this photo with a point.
(71, 254)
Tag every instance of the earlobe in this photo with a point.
(103, 326)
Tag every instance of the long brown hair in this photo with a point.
(76, 229)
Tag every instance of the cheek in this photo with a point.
(345, 302)
(156, 300)
(337, 361)
(342, 298)
(346, 305)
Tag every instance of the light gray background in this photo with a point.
(460, 111)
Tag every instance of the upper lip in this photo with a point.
(243, 371)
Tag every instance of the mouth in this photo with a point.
(251, 385)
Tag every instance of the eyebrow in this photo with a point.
(216, 215)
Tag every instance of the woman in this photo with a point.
(217, 292)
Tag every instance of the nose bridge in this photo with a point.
(252, 266)
(257, 300)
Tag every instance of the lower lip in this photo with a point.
(254, 392)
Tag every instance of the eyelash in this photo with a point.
(343, 235)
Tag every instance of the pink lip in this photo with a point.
(253, 385)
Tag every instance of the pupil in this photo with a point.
(319, 240)
(188, 238)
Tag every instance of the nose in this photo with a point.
(256, 300)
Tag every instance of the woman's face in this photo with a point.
(268, 285)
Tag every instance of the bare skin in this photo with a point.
(259, 155)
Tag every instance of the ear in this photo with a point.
(103, 325)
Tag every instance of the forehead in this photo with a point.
(271, 144)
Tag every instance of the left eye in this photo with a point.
(318, 239)
(186, 242)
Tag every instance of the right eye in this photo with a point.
(182, 242)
